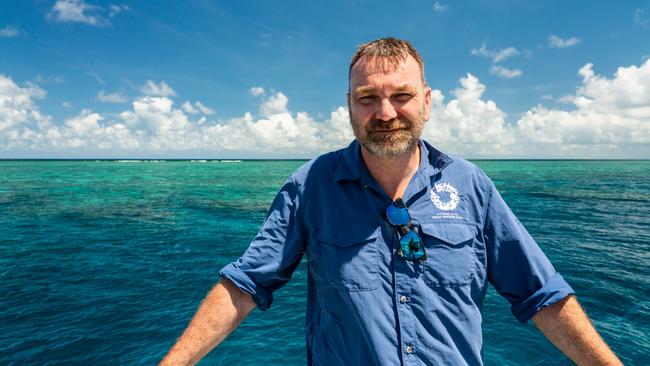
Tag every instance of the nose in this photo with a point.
(386, 111)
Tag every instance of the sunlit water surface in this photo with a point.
(104, 262)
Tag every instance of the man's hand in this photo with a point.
(568, 327)
(222, 310)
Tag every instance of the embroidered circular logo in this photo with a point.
(450, 190)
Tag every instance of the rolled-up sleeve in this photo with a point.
(517, 267)
(274, 254)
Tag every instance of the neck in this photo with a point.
(393, 174)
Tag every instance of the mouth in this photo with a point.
(388, 130)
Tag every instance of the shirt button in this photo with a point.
(403, 299)
(409, 349)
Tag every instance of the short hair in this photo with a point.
(390, 49)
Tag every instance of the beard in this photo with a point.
(389, 144)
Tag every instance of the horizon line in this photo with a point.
(299, 159)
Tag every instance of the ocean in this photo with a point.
(105, 262)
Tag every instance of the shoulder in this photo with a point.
(455, 164)
(320, 168)
(463, 172)
(472, 171)
(466, 167)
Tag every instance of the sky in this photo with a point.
(268, 79)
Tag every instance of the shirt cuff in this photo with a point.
(553, 291)
(261, 296)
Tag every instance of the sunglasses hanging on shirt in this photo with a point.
(411, 246)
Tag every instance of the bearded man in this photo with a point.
(401, 242)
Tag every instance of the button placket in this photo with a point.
(406, 321)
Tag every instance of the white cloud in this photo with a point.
(481, 51)
(116, 97)
(256, 91)
(197, 108)
(557, 42)
(547, 97)
(96, 77)
(505, 72)
(40, 79)
(205, 110)
(468, 123)
(84, 123)
(154, 125)
(9, 32)
(158, 116)
(566, 99)
(607, 117)
(505, 54)
(275, 104)
(630, 87)
(611, 119)
(639, 18)
(607, 111)
(78, 11)
(496, 55)
(438, 7)
(17, 107)
(161, 89)
(113, 9)
(66, 104)
(189, 108)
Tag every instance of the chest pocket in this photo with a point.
(451, 261)
(349, 260)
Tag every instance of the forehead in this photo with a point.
(371, 70)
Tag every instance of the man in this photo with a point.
(401, 241)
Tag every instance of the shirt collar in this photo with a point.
(352, 167)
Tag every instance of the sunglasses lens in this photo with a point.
(398, 214)
(411, 245)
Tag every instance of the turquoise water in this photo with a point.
(105, 262)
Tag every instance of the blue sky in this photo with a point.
(268, 78)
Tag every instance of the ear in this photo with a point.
(427, 102)
(349, 102)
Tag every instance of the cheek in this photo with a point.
(361, 115)
(358, 126)
(412, 110)
(362, 110)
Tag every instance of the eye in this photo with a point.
(403, 97)
(365, 100)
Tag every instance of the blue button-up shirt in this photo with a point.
(368, 306)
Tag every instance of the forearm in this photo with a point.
(568, 327)
(220, 313)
